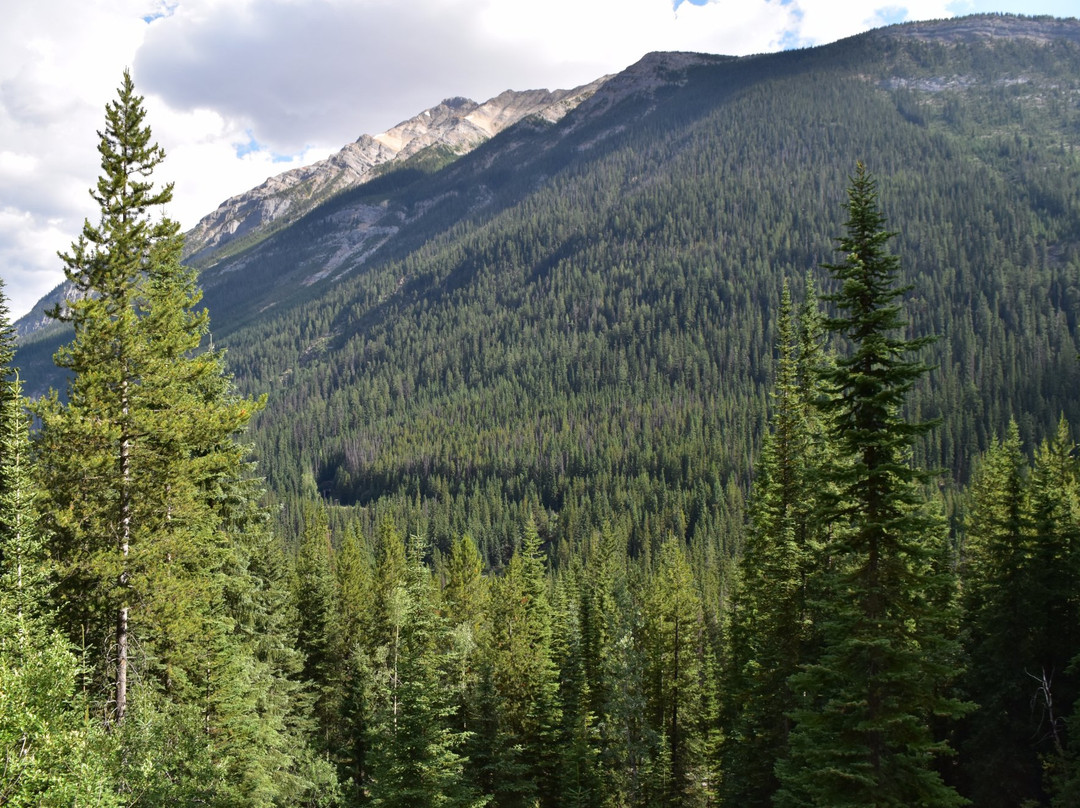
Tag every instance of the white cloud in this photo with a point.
(325, 71)
(828, 20)
(60, 61)
(301, 78)
(28, 254)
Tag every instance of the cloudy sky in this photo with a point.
(239, 90)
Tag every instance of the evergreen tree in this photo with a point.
(319, 639)
(414, 757)
(613, 687)
(674, 646)
(578, 770)
(770, 624)
(999, 763)
(355, 574)
(48, 754)
(464, 605)
(22, 551)
(513, 749)
(862, 732)
(465, 594)
(1023, 532)
(150, 513)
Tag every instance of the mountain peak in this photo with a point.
(457, 124)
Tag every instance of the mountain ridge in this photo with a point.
(456, 124)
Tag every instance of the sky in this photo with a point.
(240, 90)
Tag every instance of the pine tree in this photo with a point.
(862, 733)
(465, 593)
(414, 757)
(612, 691)
(579, 781)
(355, 575)
(317, 600)
(999, 764)
(464, 604)
(1023, 532)
(514, 745)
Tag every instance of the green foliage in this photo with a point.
(556, 369)
(1022, 534)
(49, 756)
(319, 640)
(582, 324)
(863, 730)
(415, 749)
(517, 696)
(770, 622)
(154, 522)
(674, 644)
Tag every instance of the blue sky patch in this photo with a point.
(253, 146)
(891, 15)
(165, 9)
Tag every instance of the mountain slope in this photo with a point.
(575, 319)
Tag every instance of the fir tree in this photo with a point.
(674, 644)
(1023, 532)
(464, 603)
(317, 601)
(514, 743)
(999, 763)
(862, 733)
(414, 757)
(579, 782)
(355, 573)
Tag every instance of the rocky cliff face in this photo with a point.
(457, 124)
(1041, 30)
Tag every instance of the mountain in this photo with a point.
(574, 318)
(439, 134)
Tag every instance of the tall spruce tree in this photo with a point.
(414, 757)
(513, 746)
(579, 781)
(999, 764)
(149, 510)
(317, 600)
(862, 733)
(355, 573)
(464, 603)
(673, 635)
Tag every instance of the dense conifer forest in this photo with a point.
(721, 458)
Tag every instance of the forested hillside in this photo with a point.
(605, 475)
(576, 319)
(580, 324)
